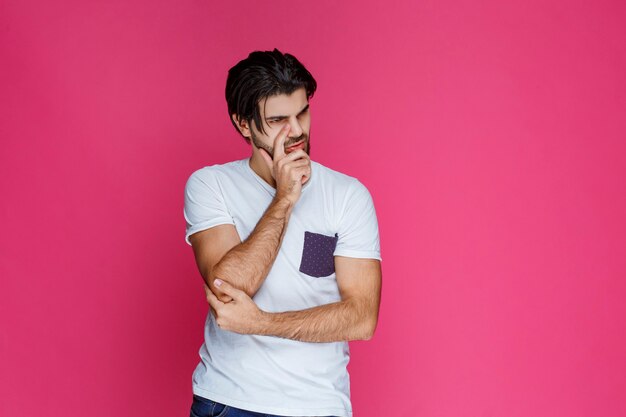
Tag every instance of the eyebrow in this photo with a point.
(285, 117)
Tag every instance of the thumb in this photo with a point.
(211, 298)
(228, 289)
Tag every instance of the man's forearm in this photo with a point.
(340, 321)
(247, 264)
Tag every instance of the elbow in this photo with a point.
(219, 272)
(209, 275)
(366, 320)
(228, 275)
(368, 329)
(216, 272)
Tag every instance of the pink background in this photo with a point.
(491, 135)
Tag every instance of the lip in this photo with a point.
(295, 146)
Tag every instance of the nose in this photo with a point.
(295, 128)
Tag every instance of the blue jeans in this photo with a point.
(203, 407)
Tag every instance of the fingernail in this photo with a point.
(217, 282)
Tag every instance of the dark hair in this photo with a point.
(264, 74)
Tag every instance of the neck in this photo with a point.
(259, 166)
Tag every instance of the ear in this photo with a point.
(242, 125)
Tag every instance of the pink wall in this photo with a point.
(491, 135)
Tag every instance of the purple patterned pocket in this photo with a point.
(317, 255)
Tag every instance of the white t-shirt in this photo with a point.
(334, 217)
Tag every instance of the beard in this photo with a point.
(270, 149)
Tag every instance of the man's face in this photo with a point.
(276, 111)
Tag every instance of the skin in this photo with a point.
(278, 112)
(233, 270)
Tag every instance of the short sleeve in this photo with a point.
(358, 227)
(204, 203)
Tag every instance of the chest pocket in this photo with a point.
(317, 254)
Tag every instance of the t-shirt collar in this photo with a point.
(268, 187)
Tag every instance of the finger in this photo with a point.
(306, 176)
(228, 289)
(217, 294)
(301, 172)
(211, 298)
(295, 155)
(279, 142)
(298, 163)
(225, 298)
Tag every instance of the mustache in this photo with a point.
(296, 140)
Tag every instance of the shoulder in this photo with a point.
(340, 183)
(213, 173)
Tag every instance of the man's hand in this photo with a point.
(289, 171)
(241, 315)
(353, 318)
(219, 251)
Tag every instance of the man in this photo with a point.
(290, 252)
